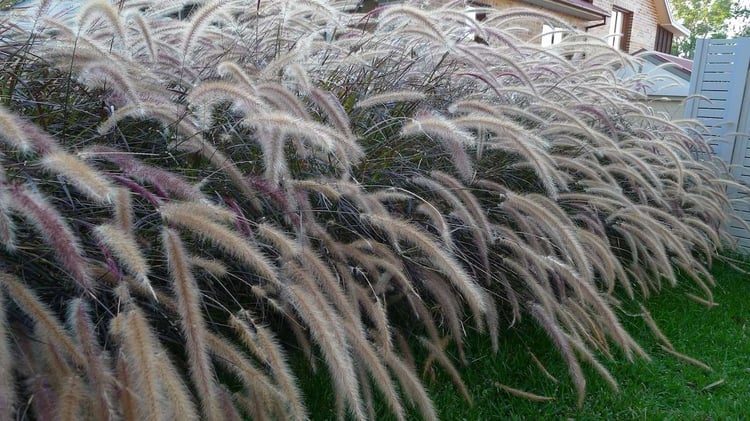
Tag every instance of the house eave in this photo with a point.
(576, 8)
(668, 21)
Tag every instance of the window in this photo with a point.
(551, 35)
(663, 43)
(619, 29)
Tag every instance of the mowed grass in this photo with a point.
(666, 388)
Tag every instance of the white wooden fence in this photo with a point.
(721, 74)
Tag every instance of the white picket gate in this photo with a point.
(721, 74)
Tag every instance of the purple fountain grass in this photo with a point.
(493, 177)
(56, 232)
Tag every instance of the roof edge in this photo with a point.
(668, 20)
(577, 8)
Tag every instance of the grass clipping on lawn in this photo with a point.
(207, 187)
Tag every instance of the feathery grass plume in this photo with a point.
(207, 95)
(371, 361)
(52, 360)
(138, 189)
(376, 311)
(287, 247)
(12, 131)
(192, 323)
(254, 381)
(233, 70)
(555, 224)
(106, 74)
(202, 209)
(125, 389)
(148, 40)
(159, 178)
(198, 23)
(123, 210)
(124, 246)
(326, 327)
(513, 138)
(400, 17)
(471, 202)
(328, 283)
(46, 323)
(599, 367)
(449, 309)
(140, 349)
(32, 137)
(98, 372)
(550, 325)
(229, 411)
(7, 226)
(444, 262)
(438, 222)
(180, 402)
(411, 386)
(168, 114)
(7, 380)
(283, 100)
(267, 349)
(390, 97)
(451, 136)
(317, 135)
(467, 205)
(213, 266)
(334, 111)
(223, 163)
(222, 237)
(102, 9)
(70, 400)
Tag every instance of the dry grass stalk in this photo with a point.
(523, 394)
(686, 358)
(445, 362)
(651, 323)
(541, 367)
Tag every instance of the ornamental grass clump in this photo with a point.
(194, 193)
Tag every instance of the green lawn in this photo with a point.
(665, 388)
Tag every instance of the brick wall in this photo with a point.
(643, 30)
(643, 26)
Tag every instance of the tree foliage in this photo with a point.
(705, 19)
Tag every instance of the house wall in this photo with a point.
(645, 22)
(643, 28)
(533, 27)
